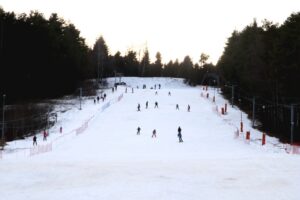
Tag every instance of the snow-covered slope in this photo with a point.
(106, 159)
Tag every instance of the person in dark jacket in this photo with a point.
(138, 130)
(179, 134)
(34, 140)
(139, 107)
(154, 133)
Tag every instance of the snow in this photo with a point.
(106, 159)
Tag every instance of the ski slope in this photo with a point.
(108, 160)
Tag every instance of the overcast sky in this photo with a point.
(175, 28)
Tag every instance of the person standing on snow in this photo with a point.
(156, 104)
(154, 133)
(45, 135)
(139, 107)
(34, 141)
(138, 130)
(179, 134)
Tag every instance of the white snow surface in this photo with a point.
(108, 160)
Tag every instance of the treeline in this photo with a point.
(262, 63)
(45, 58)
(107, 65)
(40, 57)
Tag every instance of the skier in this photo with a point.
(155, 86)
(154, 133)
(126, 90)
(189, 108)
(155, 92)
(104, 97)
(139, 107)
(158, 86)
(98, 99)
(131, 90)
(45, 135)
(169, 93)
(156, 104)
(34, 140)
(112, 89)
(138, 130)
(177, 107)
(179, 134)
(94, 101)
(146, 104)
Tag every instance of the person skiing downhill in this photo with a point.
(139, 107)
(45, 135)
(138, 130)
(179, 134)
(156, 104)
(153, 133)
(189, 108)
(177, 107)
(146, 104)
(34, 140)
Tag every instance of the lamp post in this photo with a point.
(3, 111)
(80, 90)
(214, 99)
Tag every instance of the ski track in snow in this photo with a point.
(109, 161)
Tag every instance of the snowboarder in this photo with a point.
(139, 107)
(179, 134)
(45, 135)
(138, 130)
(177, 107)
(156, 104)
(188, 108)
(153, 133)
(146, 104)
(34, 140)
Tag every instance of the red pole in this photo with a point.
(248, 135)
(263, 141)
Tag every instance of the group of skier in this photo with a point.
(179, 135)
(156, 106)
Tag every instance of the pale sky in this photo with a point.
(175, 28)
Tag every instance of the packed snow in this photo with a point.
(99, 155)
